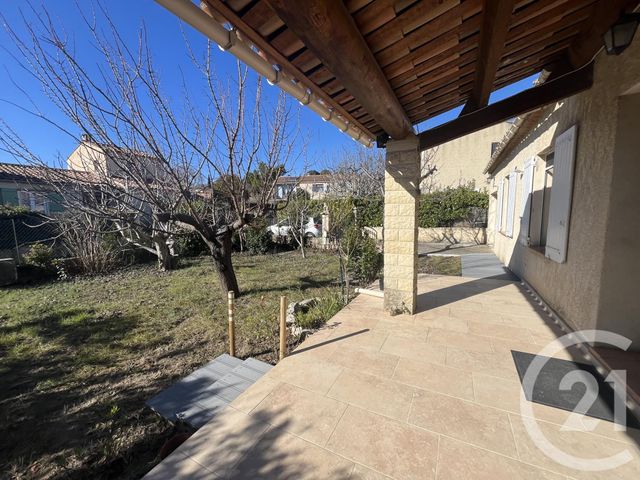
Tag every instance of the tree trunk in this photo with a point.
(304, 254)
(224, 266)
(166, 261)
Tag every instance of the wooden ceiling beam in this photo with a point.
(518, 104)
(496, 18)
(328, 30)
(221, 9)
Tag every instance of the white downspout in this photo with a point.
(229, 41)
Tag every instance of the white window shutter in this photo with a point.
(561, 193)
(499, 206)
(511, 203)
(525, 207)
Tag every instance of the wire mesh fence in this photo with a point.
(18, 233)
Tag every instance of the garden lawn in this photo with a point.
(79, 358)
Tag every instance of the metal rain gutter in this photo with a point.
(229, 41)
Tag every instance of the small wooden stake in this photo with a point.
(232, 328)
(283, 327)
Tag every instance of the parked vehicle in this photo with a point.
(313, 228)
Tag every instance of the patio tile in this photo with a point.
(375, 394)
(446, 323)
(363, 473)
(414, 349)
(309, 415)
(178, 465)
(505, 332)
(250, 398)
(432, 376)
(505, 394)
(282, 455)
(355, 337)
(221, 443)
(608, 429)
(582, 445)
(506, 347)
(464, 341)
(373, 363)
(407, 329)
(393, 448)
(489, 363)
(306, 371)
(479, 425)
(461, 461)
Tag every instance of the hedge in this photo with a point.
(444, 208)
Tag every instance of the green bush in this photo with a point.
(258, 239)
(327, 306)
(366, 261)
(190, 244)
(446, 207)
(41, 256)
(370, 211)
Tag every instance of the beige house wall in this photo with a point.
(580, 289)
(88, 158)
(461, 161)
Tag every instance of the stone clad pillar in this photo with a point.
(401, 192)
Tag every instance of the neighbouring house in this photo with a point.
(28, 186)
(102, 160)
(564, 200)
(317, 186)
(461, 161)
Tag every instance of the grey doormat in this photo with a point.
(546, 388)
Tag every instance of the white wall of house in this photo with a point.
(578, 278)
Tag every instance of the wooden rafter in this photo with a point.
(496, 17)
(523, 102)
(217, 8)
(328, 30)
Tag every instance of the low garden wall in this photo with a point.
(447, 235)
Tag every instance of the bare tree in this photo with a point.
(359, 174)
(296, 212)
(159, 152)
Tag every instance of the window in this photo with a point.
(36, 202)
(551, 205)
(317, 188)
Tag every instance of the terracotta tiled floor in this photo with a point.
(430, 396)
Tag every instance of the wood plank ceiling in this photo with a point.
(428, 50)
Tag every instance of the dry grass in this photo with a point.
(436, 265)
(78, 359)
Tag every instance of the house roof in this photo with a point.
(289, 180)
(423, 57)
(15, 172)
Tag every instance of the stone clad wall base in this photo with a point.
(401, 192)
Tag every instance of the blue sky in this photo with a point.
(165, 37)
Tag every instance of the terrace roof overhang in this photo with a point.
(377, 68)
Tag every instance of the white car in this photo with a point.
(313, 228)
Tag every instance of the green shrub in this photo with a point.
(257, 239)
(446, 207)
(41, 256)
(370, 211)
(190, 244)
(366, 261)
(328, 305)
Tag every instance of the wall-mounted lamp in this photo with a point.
(621, 33)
